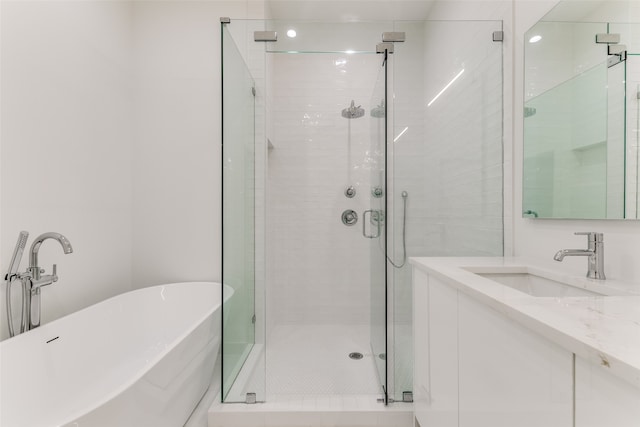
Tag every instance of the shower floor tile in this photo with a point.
(313, 360)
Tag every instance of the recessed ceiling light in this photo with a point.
(535, 39)
(291, 33)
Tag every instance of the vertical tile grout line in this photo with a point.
(573, 389)
(458, 354)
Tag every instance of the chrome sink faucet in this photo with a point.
(595, 252)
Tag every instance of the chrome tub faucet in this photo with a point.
(32, 280)
(35, 277)
(594, 252)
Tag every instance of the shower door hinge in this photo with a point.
(250, 398)
(225, 20)
(265, 36)
(253, 319)
(615, 59)
(384, 47)
(498, 36)
(617, 54)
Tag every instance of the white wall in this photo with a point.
(111, 136)
(176, 174)
(542, 238)
(66, 138)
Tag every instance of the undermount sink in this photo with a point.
(537, 286)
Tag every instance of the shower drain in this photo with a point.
(355, 355)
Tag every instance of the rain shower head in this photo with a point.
(353, 112)
(379, 111)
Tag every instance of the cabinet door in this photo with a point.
(603, 399)
(443, 351)
(510, 376)
(420, 345)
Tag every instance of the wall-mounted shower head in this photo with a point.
(379, 111)
(353, 112)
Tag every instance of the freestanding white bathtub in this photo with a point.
(140, 359)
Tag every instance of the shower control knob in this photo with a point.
(349, 217)
(350, 192)
(376, 192)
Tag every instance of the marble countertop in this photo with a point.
(602, 329)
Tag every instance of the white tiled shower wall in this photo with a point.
(319, 266)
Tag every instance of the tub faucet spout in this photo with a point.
(35, 277)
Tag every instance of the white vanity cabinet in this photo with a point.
(508, 375)
(492, 354)
(435, 352)
(474, 367)
(603, 399)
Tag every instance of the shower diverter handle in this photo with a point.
(364, 225)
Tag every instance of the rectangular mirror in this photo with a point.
(581, 115)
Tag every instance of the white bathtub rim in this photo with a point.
(116, 391)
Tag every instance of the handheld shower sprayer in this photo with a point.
(10, 277)
(404, 195)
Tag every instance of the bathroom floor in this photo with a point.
(311, 381)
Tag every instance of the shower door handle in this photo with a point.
(364, 224)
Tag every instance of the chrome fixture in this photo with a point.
(384, 47)
(353, 112)
(33, 279)
(265, 36)
(374, 218)
(497, 36)
(394, 36)
(404, 233)
(529, 111)
(350, 192)
(378, 111)
(10, 277)
(618, 52)
(608, 38)
(595, 252)
(377, 192)
(349, 217)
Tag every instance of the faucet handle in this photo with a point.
(54, 273)
(592, 236)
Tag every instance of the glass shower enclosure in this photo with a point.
(341, 160)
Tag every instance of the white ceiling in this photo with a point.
(348, 10)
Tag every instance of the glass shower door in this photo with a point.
(374, 228)
(238, 214)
